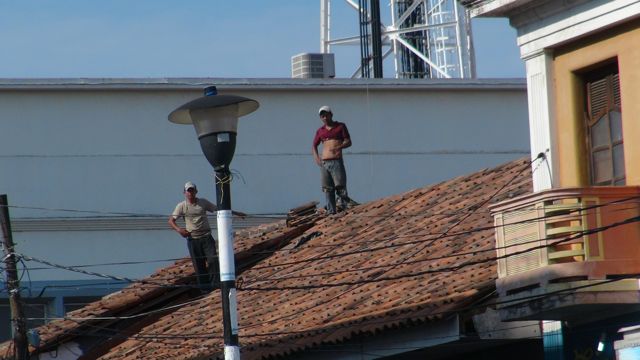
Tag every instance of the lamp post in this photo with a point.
(215, 118)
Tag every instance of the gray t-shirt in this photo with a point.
(195, 216)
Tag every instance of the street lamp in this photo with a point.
(215, 118)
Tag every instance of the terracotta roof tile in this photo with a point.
(331, 278)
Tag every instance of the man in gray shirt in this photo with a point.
(197, 231)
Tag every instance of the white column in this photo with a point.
(394, 43)
(541, 118)
(325, 6)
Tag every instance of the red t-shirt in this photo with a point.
(337, 132)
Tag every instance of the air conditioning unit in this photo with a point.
(306, 66)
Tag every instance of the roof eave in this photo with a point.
(496, 8)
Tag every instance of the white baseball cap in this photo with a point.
(325, 109)
(189, 185)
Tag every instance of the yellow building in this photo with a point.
(569, 254)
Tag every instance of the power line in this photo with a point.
(107, 276)
(481, 306)
(125, 214)
(132, 280)
(519, 299)
(583, 211)
(451, 268)
(473, 208)
(120, 263)
(406, 258)
(575, 235)
(195, 335)
(441, 152)
(415, 242)
(363, 281)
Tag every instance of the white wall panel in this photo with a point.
(110, 150)
(540, 115)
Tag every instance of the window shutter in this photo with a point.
(597, 97)
(616, 89)
(604, 126)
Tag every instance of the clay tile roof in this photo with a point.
(393, 262)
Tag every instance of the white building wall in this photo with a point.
(109, 148)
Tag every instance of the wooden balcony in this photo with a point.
(557, 249)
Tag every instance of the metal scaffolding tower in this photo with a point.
(427, 38)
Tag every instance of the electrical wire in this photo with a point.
(574, 235)
(619, 279)
(107, 276)
(450, 268)
(248, 215)
(443, 269)
(351, 288)
(25, 269)
(131, 280)
(118, 263)
(581, 211)
(197, 335)
(402, 244)
(475, 207)
(129, 317)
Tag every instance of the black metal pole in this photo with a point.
(363, 17)
(13, 285)
(227, 264)
(376, 39)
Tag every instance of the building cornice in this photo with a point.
(234, 84)
(493, 8)
(553, 30)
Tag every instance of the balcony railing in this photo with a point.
(567, 235)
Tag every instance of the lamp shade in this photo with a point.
(214, 114)
(215, 119)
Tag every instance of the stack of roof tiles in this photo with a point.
(397, 261)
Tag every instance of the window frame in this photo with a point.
(609, 73)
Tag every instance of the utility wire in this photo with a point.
(581, 211)
(132, 280)
(107, 276)
(363, 281)
(473, 207)
(450, 268)
(351, 288)
(565, 239)
(196, 335)
(402, 244)
(248, 215)
(575, 235)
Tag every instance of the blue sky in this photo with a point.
(195, 38)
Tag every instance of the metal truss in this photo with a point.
(427, 38)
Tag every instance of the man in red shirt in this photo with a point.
(334, 137)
